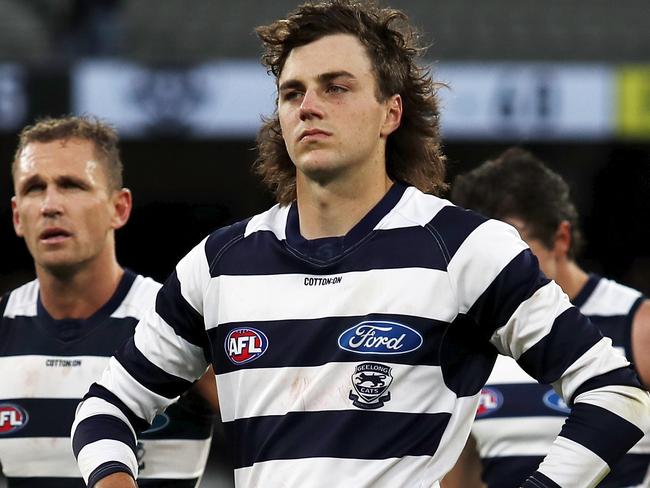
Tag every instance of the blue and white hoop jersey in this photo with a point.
(518, 418)
(358, 361)
(46, 367)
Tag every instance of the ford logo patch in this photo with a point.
(554, 401)
(380, 338)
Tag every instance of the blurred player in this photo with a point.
(59, 330)
(518, 418)
(353, 325)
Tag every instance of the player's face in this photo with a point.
(63, 206)
(547, 257)
(328, 109)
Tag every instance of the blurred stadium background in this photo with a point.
(567, 79)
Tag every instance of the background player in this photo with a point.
(536, 201)
(353, 325)
(59, 330)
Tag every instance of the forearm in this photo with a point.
(117, 480)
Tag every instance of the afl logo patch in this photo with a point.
(380, 338)
(12, 418)
(490, 401)
(245, 344)
(554, 401)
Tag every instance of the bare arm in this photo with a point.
(117, 480)
(467, 472)
(206, 388)
(641, 342)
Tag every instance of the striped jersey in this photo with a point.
(358, 361)
(46, 367)
(518, 418)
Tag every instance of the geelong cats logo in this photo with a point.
(370, 382)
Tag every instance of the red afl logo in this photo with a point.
(490, 401)
(12, 418)
(244, 345)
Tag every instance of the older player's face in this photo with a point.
(328, 109)
(546, 257)
(63, 206)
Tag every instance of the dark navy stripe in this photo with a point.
(585, 292)
(46, 417)
(466, 356)
(617, 328)
(630, 471)
(522, 400)
(592, 427)
(517, 282)
(29, 336)
(508, 471)
(538, 480)
(99, 427)
(180, 421)
(105, 469)
(452, 225)
(99, 391)
(319, 342)
(571, 335)
(180, 315)
(299, 435)
(622, 376)
(148, 374)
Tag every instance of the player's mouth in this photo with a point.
(313, 135)
(54, 235)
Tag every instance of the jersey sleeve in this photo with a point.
(526, 316)
(167, 353)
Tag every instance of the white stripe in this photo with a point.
(193, 274)
(97, 406)
(532, 321)
(506, 371)
(414, 208)
(141, 401)
(631, 404)
(103, 451)
(601, 358)
(31, 377)
(139, 299)
(276, 391)
(38, 456)
(22, 301)
(409, 291)
(610, 298)
(533, 439)
(158, 342)
(274, 220)
(480, 259)
(407, 472)
(174, 458)
(573, 465)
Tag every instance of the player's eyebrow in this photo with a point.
(322, 79)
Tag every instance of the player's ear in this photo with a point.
(393, 116)
(15, 217)
(122, 202)
(562, 242)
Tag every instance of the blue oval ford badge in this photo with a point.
(380, 338)
(554, 401)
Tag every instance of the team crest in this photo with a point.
(245, 344)
(371, 382)
(12, 418)
(490, 401)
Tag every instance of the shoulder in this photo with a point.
(140, 298)
(20, 301)
(611, 298)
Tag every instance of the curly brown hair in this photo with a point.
(87, 128)
(519, 185)
(413, 151)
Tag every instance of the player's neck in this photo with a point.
(571, 278)
(334, 209)
(80, 293)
